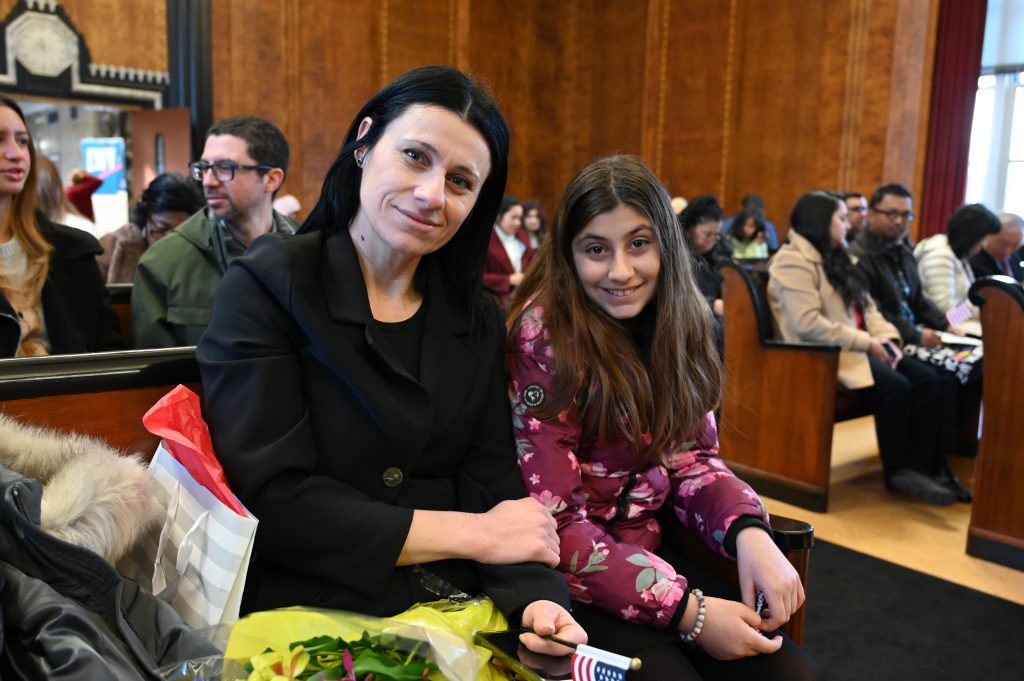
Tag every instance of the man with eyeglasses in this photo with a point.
(244, 163)
(857, 207)
(888, 262)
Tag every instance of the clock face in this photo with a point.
(43, 44)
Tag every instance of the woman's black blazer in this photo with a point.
(332, 444)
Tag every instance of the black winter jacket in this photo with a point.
(75, 308)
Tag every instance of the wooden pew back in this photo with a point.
(779, 401)
(101, 394)
(121, 302)
(996, 530)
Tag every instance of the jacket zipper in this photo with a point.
(621, 505)
(19, 503)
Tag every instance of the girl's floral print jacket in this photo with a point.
(605, 499)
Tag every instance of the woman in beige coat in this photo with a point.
(817, 296)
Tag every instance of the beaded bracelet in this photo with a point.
(702, 607)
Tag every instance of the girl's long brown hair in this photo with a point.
(599, 367)
(24, 224)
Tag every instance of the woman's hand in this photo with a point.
(762, 566)
(877, 350)
(730, 630)
(517, 531)
(515, 279)
(548, 618)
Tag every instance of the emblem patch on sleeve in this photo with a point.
(533, 395)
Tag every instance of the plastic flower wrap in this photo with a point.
(429, 641)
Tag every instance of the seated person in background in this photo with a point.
(857, 204)
(244, 163)
(52, 299)
(753, 203)
(746, 236)
(166, 203)
(354, 384)
(887, 261)
(817, 295)
(509, 251)
(613, 375)
(51, 200)
(534, 223)
(701, 221)
(946, 276)
(998, 253)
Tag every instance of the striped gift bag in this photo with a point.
(198, 558)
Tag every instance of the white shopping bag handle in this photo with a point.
(185, 548)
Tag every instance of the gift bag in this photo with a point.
(198, 557)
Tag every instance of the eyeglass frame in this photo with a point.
(198, 169)
(907, 215)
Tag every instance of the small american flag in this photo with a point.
(959, 314)
(594, 664)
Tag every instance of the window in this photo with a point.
(995, 168)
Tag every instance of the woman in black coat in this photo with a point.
(354, 383)
(52, 298)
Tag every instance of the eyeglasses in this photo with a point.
(891, 215)
(858, 209)
(224, 171)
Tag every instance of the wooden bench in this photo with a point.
(780, 400)
(996, 530)
(105, 395)
(102, 394)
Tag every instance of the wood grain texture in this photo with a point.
(130, 33)
(810, 95)
(997, 514)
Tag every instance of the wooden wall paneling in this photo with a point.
(854, 97)
(415, 33)
(696, 89)
(338, 71)
(130, 33)
(655, 86)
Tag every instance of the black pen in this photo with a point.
(634, 662)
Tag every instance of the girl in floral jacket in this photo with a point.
(613, 377)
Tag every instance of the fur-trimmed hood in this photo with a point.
(93, 495)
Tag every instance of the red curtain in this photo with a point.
(958, 44)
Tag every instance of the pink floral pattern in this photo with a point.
(604, 498)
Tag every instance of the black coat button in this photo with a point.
(393, 476)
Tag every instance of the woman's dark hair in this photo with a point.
(534, 204)
(508, 202)
(598, 366)
(968, 226)
(736, 228)
(168, 192)
(460, 262)
(812, 219)
(704, 208)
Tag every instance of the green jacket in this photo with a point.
(172, 293)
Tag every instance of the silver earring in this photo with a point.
(359, 160)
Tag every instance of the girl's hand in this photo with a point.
(762, 566)
(730, 630)
(548, 618)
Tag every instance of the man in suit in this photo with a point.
(998, 253)
(244, 163)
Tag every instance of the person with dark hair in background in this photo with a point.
(52, 298)
(942, 261)
(817, 295)
(857, 204)
(167, 202)
(509, 252)
(746, 236)
(887, 261)
(701, 222)
(354, 379)
(613, 376)
(535, 223)
(999, 252)
(244, 163)
(753, 203)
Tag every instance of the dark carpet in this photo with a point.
(868, 619)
